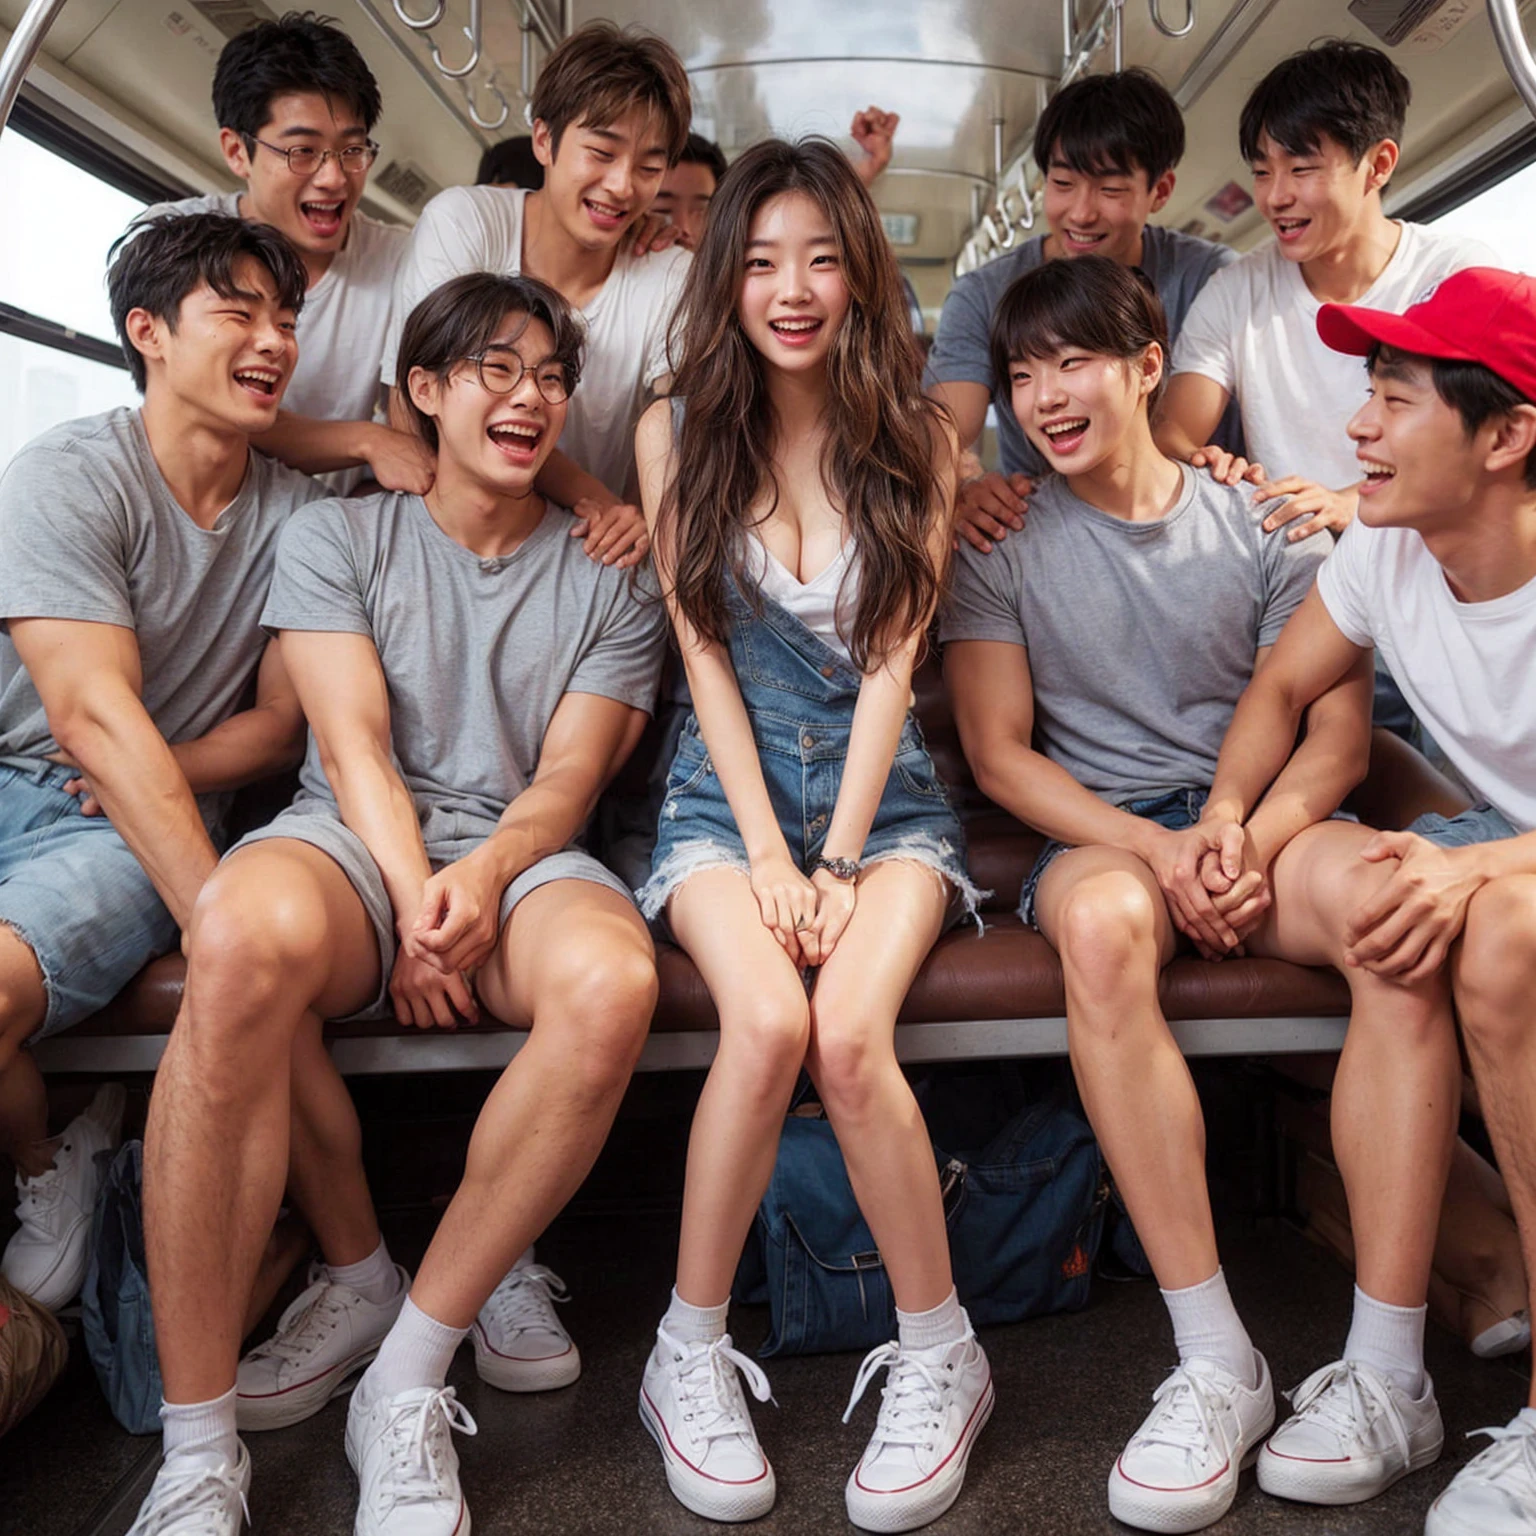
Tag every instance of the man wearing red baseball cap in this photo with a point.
(1438, 572)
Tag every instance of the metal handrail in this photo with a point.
(1155, 8)
(506, 109)
(22, 49)
(421, 23)
(1027, 221)
(1514, 49)
(472, 32)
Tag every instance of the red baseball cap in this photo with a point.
(1479, 315)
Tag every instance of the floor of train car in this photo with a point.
(578, 1463)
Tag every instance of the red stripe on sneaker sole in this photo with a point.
(971, 1430)
(725, 1482)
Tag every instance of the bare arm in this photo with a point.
(264, 739)
(400, 461)
(966, 402)
(89, 678)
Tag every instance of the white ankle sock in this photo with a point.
(938, 1326)
(1206, 1327)
(201, 1429)
(416, 1353)
(375, 1278)
(695, 1325)
(1389, 1338)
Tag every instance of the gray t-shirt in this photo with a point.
(90, 530)
(477, 652)
(1141, 636)
(1178, 266)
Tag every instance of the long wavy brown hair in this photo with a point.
(878, 464)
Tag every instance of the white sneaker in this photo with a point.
(520, 1345)
(1353, 1434)
(401, 1448)
(1495, 1493)
(932, 1407)
(1506, 1337)
(327, 1336)
(193, 1495)
(692, 1404)
(48, 1257)
(1179, 1471)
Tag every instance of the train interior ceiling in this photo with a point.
(121, 87)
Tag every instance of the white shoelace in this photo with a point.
(1345, 1399)
(418, 1436)
(525, 1299)
(1513, 1450)
(309, 1321)
(200, 1495)
(1187, 1419)
(708, 1390)
(911, 1401)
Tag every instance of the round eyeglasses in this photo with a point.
(305, 159)
(502, 371)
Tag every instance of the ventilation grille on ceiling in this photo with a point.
(233, 16)
(1418, 26)
(408, 183)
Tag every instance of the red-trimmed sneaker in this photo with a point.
(1179, 1471)
(692, 1404)
(401, 1448)
(932, 1407)
(520, 1345)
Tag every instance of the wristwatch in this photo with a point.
(839, 869)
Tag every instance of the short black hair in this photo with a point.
(299, 52)
(1476, 393)
(701, 151)
(1090, 302)
(512, 163)
(461, 318)
(1108, 124)
(158, 263)
(1348, 92)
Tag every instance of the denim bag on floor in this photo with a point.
(1024, 1215)
(115, 1317)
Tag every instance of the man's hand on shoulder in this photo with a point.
(1406, 930)
(654, 232)
(988, 505)
(1224, 467)
(400, 461)
(614, 535)
(1306, 499)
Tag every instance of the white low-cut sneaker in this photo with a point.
(1353, 1434)
(932, 1407)
(1179, 1471)
(520, 1345)
(196, 1495)
(50, 1253)
(1495, 1493)
(692, 1404)
(324, 1339)
(401, 1448)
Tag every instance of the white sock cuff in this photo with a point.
(1387, 1308)
(695, 1325)
(938, 1326)
(195, 1427)
(1207, 1290)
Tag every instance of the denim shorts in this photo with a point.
(74, 892)
(1177, 809)
(1480, 824)
(448, 836)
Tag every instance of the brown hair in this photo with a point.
(460, 319)
(600, 73)
(878, 462)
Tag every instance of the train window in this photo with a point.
(1500, 216)
(57, 353)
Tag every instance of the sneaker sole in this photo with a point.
(1171, 1512)
(726, 1502)
(906, 1511)
(509, 1375)
(279, 1410)
(1320, 1482)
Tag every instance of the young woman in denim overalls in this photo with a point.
(799, 486)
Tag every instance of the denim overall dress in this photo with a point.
(800, 696)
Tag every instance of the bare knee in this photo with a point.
(604, 1000)
(850, 1054)
(1107, 936)
(23, 995)
(1495, 971)
(763, 1039)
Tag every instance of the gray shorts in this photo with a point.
(1480, 824)
(75, 893)
(317, 823)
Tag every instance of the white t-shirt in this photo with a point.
(480, 229)
(1253, 329)
(345, 316)
(1465, 668)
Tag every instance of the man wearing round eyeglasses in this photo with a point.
(295, 103)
